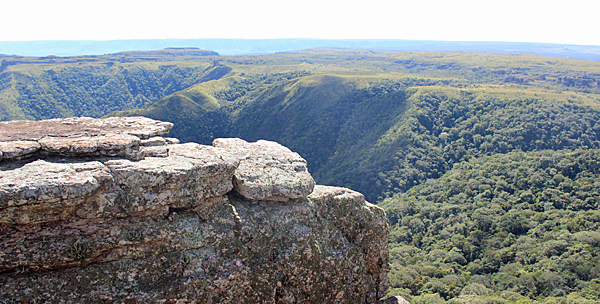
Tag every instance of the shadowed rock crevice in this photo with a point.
(85, 217)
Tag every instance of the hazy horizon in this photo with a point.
(462, 20)
(233, 47)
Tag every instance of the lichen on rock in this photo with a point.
(88, 218)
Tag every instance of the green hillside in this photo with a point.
(52, 87)
(196, 109)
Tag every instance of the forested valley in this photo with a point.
(488, 165)
(503, 228)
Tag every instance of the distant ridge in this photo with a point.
(230, 47)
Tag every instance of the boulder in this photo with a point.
(267, 170)
(44, 191)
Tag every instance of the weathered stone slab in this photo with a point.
(394, 300)
(267, 170)
(171, 141)
(72, 243)
(141, 127)
(80, 136)
(17, 149)
(154, 141)
(43, 191)
(154, 184)
(242, 251)
(361, 223)
(155, 151)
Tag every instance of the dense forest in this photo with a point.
(488, 165)
(501, 228)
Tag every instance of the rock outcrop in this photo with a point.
(107, 211)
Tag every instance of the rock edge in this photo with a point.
(153, 220)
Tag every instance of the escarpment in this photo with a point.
(107, 210)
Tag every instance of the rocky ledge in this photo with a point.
(108, 211)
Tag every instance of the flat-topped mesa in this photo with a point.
(120, 214)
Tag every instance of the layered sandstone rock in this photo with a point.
(78, 136)
(106, 210)
(267, 170)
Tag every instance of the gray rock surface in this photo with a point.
(81, 224)
(141, 127)
(79, 136)
(18, 148)
(44, 191)
(267, 170)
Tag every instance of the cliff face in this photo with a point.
(95, 210)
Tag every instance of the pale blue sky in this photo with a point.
(567, 22)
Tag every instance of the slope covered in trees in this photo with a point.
(53, 87)
(499, 229)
